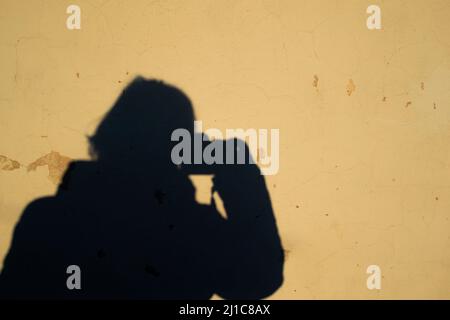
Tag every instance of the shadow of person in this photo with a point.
(129, 220)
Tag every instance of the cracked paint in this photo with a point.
(55, 163)
(7, 164)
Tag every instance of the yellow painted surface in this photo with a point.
(364, 118)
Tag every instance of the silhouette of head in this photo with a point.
(138, 127)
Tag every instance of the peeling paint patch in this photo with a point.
(8, 164)
(350, 87)
(316, 81)
(56, 164)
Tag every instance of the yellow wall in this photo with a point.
(364, 118)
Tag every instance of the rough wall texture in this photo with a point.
(364, 118)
